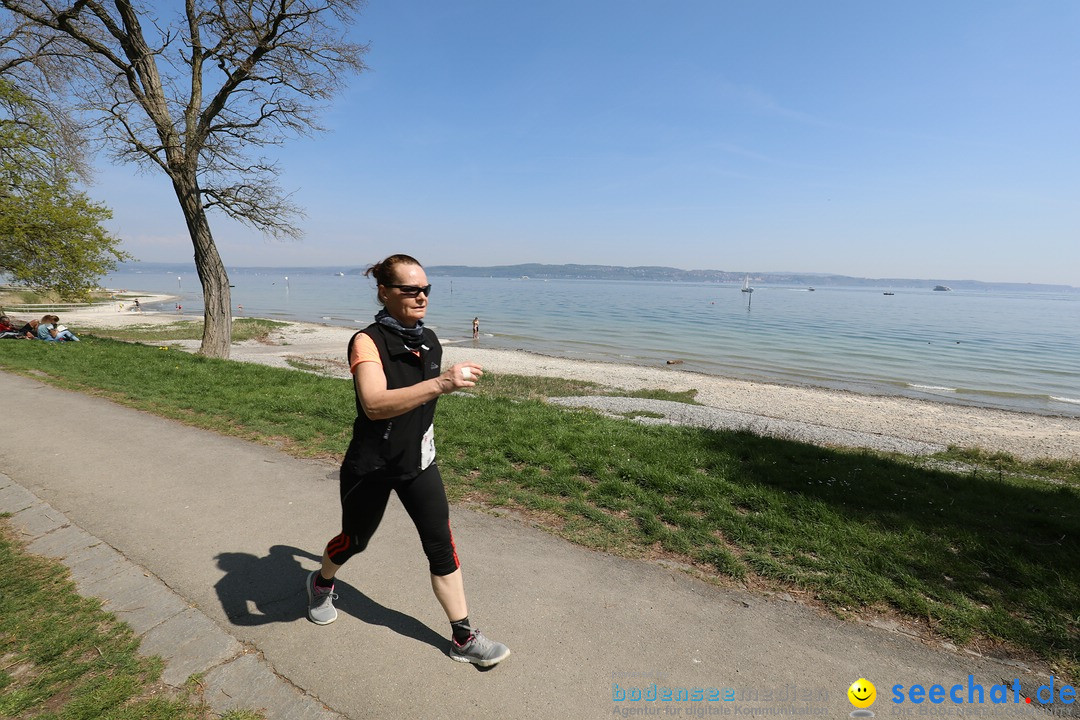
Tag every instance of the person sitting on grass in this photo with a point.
(8, 331)
(29, 330)
(49, 328)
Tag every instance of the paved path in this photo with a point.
(202, 542)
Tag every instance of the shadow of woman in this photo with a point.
(274, 586)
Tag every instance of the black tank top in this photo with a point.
(393, 445)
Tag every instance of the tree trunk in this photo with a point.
(217, 300)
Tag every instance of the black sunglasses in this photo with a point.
(412, 290)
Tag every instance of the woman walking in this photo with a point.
(396, 365)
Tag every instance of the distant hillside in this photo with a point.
(668, 274)
(648, 272)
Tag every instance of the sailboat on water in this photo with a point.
(746, 285)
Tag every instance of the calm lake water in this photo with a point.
(1011, 350)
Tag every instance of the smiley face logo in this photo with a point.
(862, 693)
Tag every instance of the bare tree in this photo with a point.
(196, 95)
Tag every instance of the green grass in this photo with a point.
(271, 405)
(686, 396)
(63, 658)
(242, 329)
(1000, 464)
(24, 296)
(19, 295)
(985, 552)
(528, 387)
(301, 365)
(642, 413)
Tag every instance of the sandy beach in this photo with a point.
(828, 417)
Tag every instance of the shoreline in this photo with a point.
(841, 417)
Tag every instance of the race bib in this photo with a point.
(427, 448)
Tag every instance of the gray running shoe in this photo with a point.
(320, 609)
(479, 650)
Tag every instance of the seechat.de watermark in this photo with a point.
(955, 697)
(975, 693)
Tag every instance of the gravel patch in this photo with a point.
(676, 413)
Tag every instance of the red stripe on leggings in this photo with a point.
(457, 563)
(338, 544)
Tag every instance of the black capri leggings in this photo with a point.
(363, 502)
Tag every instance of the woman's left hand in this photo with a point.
(463, 375)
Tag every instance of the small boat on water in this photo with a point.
(942, 288)
(746, 285)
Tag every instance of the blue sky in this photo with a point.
(917, 139)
